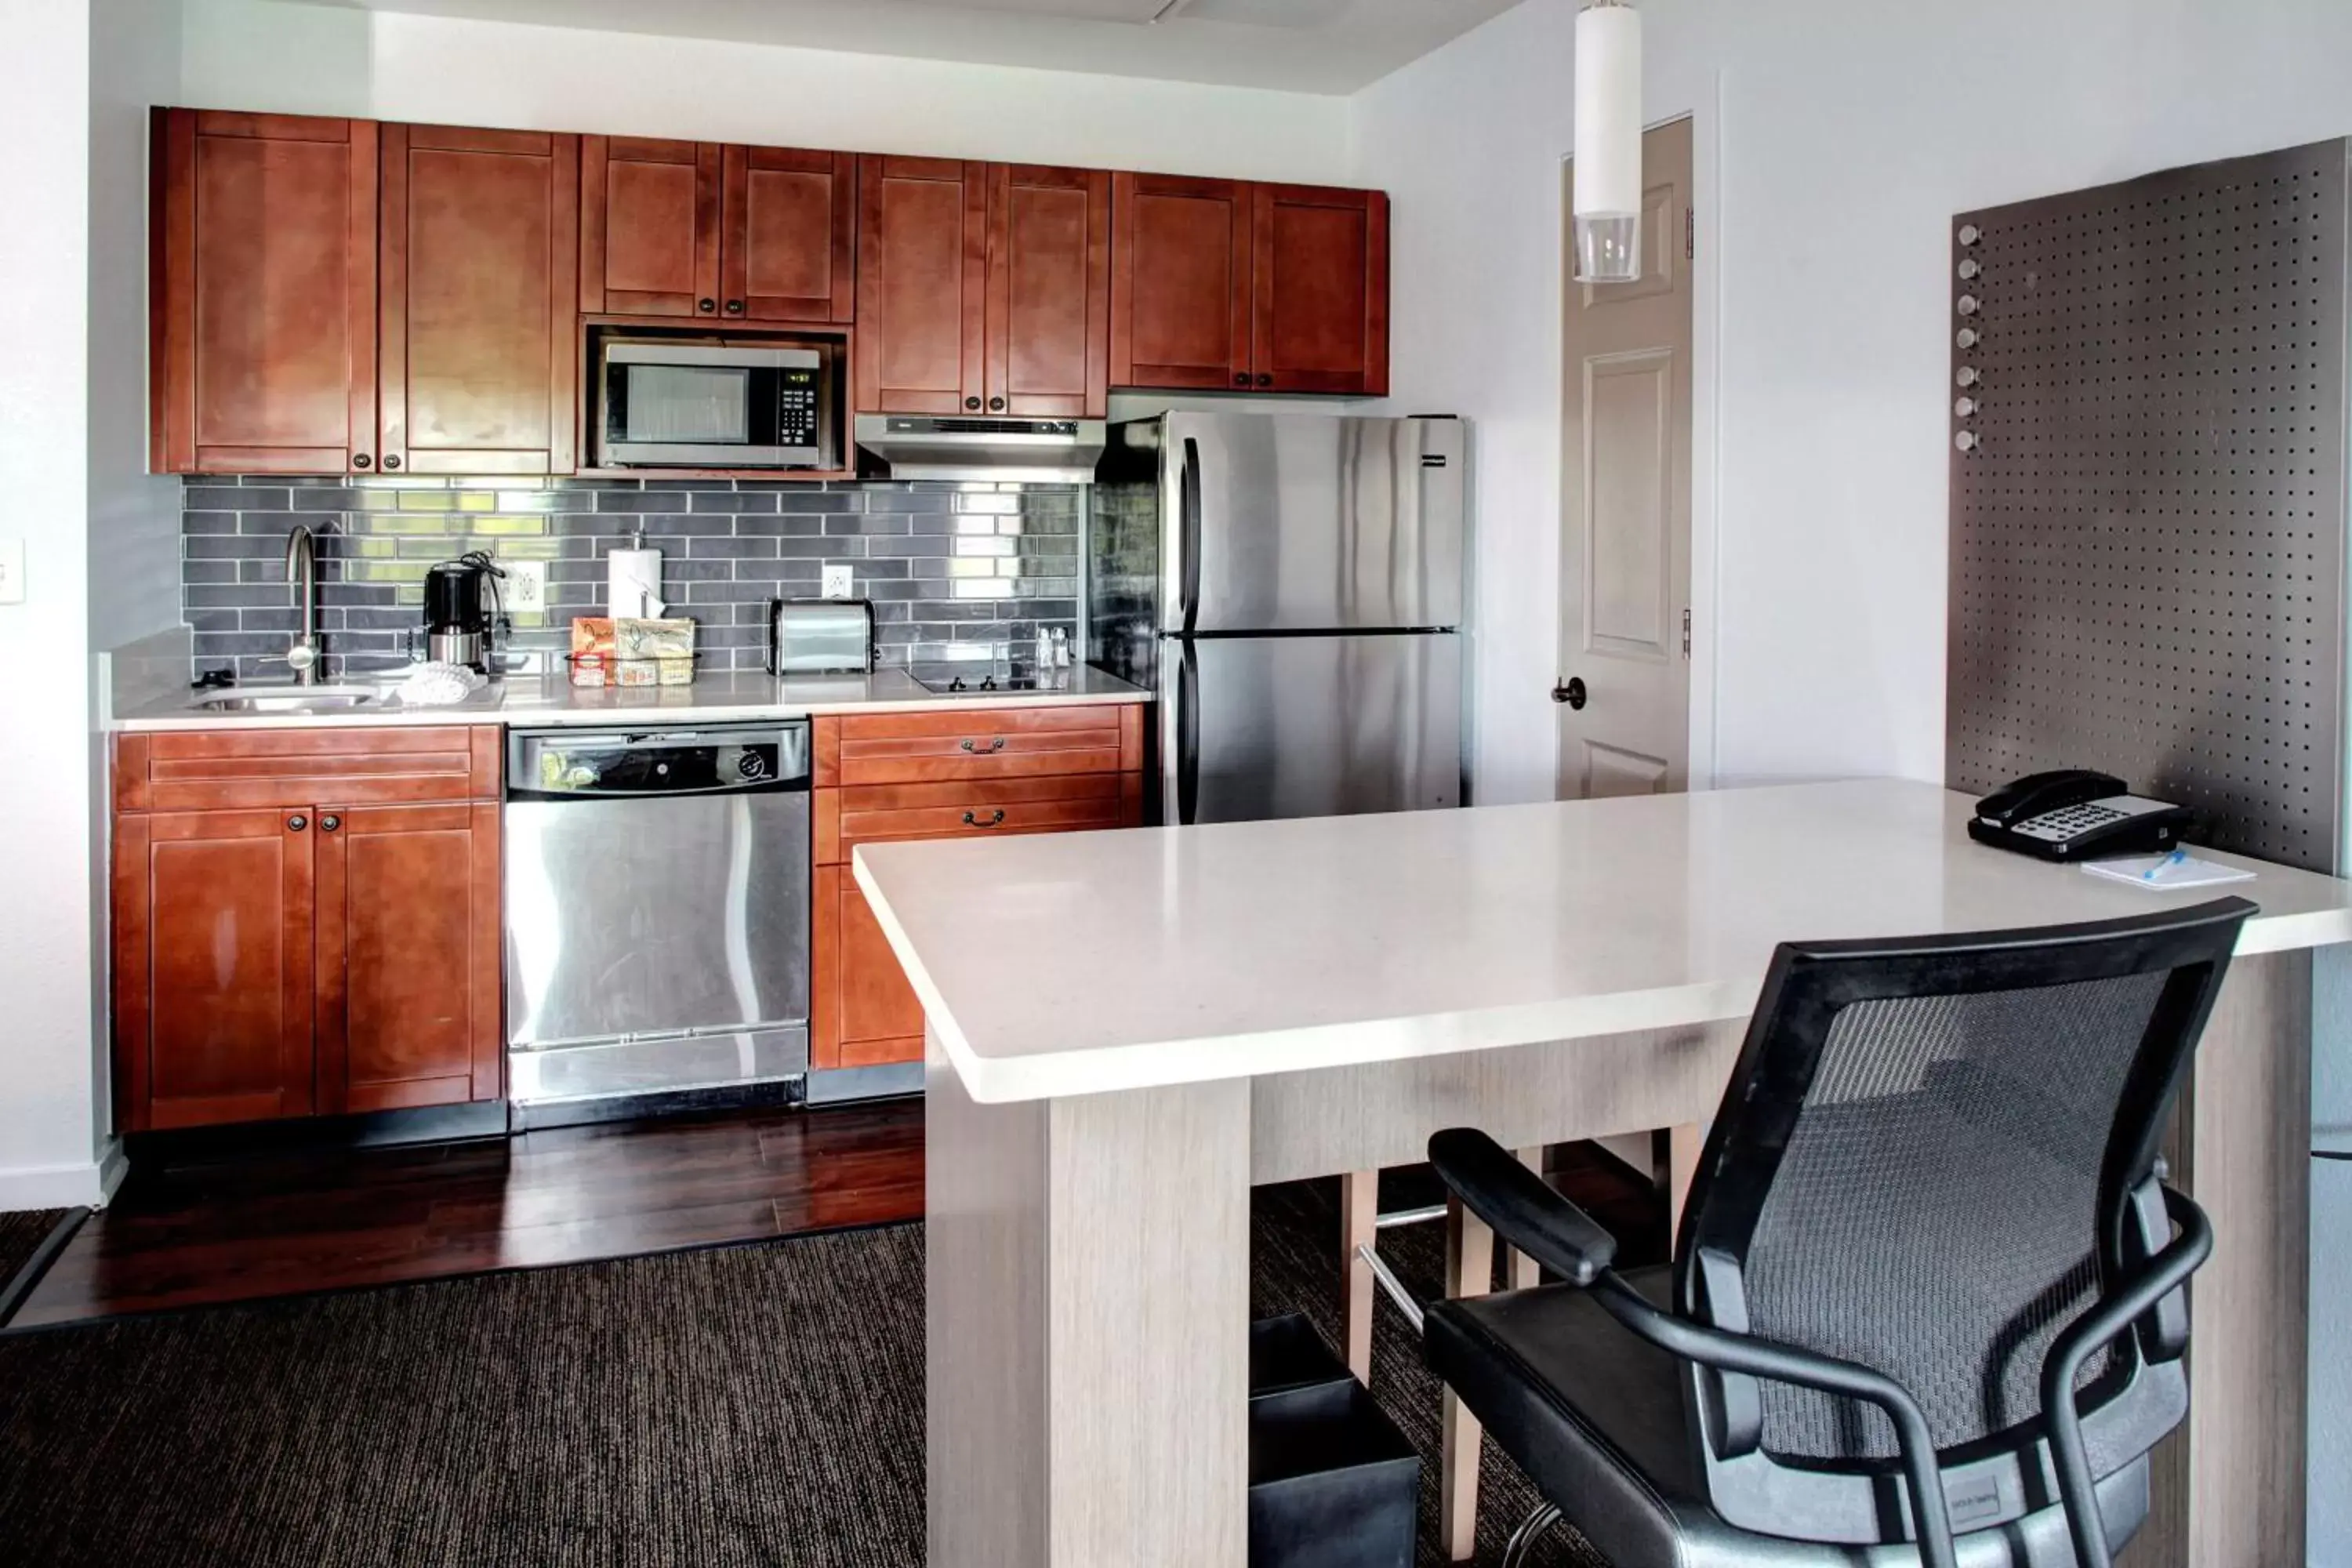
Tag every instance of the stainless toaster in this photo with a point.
(820, 636)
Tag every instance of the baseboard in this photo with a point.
(85, 1185)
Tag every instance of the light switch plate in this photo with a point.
(525, 588)
(838, 583)
(12, 571)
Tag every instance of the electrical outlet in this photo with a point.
(837, 583)
(525, 587)
(12, 571)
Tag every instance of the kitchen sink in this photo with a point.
(292, 700)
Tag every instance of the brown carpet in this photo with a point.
(757, 1405)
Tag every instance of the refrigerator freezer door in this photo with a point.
(1253, 728)
(1304, 523)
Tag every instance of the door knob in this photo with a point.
(1572, 692)
(1265, 380)
(971, 402)
(705, 306)
(734, 307)
(329, 823)
(1240, 378)
(392, 462)
(996, 406)
(297, 823)
(361, 460)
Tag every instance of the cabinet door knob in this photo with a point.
(970, 820)
(734, 307)
(995, 744)
(705, 306)
(361, 460)
(392, 462)
(1240, 378)
(971, 402)
(1265, 380)
(329, 823)
(996, 406)
(297, 823)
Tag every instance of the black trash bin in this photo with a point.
(1332, 1482)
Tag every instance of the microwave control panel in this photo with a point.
(796, 409)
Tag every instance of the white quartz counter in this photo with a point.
(1149, 957)
(714, 698)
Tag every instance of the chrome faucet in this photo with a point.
(302, 577)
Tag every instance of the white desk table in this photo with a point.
(1127, 1030)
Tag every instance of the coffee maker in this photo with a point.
(461, 618)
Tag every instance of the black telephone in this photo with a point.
(2074, 813)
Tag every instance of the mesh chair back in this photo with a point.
(1926, 1158)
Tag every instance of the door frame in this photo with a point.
(1707, 314)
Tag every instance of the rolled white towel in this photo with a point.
(439, 685)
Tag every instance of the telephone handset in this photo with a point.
(2074, 813)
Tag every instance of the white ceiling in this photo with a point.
(1301, 46)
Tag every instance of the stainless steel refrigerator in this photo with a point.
(1291, 586)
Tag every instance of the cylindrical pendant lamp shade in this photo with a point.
(1608, 151)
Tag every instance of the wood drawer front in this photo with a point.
(225, 770)
(880, 814)
(977, 744)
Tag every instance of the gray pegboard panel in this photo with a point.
(2148, 550)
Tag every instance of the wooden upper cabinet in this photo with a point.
(1321, 286)
(1180, 282)
(480, 276)
(262, 297)
(922, 265)
(791, 233)
(213, 968)
(649, 214)
(1048, 329)
(408, 982)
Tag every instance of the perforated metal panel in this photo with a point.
(2147, 491)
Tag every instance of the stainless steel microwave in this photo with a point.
(710, 405)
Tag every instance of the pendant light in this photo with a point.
(1608, 151)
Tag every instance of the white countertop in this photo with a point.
(712, 698)
(1135, 959)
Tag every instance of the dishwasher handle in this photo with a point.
(638, 765)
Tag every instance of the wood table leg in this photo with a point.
(1469, 1271)
(1526, 1273)
(1683, 1145)
(1086, 1344)
(1359, 1214)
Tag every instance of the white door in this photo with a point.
(1623, 685)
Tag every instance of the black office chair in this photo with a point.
(1928, 1306)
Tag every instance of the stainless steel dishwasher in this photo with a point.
(656, 914)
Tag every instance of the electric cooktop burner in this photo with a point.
(949, 680)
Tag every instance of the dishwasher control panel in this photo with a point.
(730, 760)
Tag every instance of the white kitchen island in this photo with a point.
(1158, 1019)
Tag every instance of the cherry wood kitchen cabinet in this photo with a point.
(959, 774)
(694, 230)
(479, 273)
(1241, 286)
(262, 294)
(983, 288)
(305, 922)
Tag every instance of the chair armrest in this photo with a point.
(1521, 1205)
(1768, 1359)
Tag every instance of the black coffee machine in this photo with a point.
(461, 611)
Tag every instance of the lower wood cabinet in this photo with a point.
(959, 774)
(336, 951)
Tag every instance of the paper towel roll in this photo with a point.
(632, 585)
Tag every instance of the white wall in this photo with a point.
(47, 1118)
(258, 53)
(1848, 131)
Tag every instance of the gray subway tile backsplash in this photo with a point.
(951, 568)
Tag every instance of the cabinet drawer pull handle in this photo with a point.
(995, 744)
(329, 824)
(970, 820)
(297, 823)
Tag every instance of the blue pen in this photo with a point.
(2175, 859)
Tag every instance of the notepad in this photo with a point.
(2162, 873)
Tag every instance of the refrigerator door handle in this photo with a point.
(1188, 734)
(1188, 491)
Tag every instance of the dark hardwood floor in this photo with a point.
(201, 1232)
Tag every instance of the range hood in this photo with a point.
(1039, 451)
